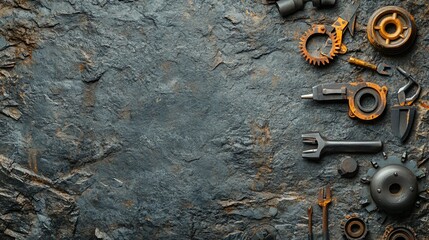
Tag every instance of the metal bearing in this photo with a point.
(354, 228)
(399, 233)
(391, 30)
(360, 96)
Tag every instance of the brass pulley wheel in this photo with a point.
(391, 30)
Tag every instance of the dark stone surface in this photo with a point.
(182, 120)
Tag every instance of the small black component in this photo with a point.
(348, 168)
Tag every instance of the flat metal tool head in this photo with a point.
(350, 16)
(324, 196)
(402, 121)
(384, 69)
(313, 139)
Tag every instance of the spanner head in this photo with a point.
(313, 139)
(384, 69)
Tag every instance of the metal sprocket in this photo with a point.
(321, 58)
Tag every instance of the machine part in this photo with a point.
(367, 101)
(323, 3)
(310, 223)
(334, 33)
(324, 145)
(318, 58)
(403, 100)
(399, 233)
(348, 168)
(381, 68)
(393, 187)
(402, 121)
(323, 200)
(403, 115)
(354, 228)
(391, 30)
(287, 7)
(347, 18)
(266, 2)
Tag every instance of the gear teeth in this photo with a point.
(321, 60)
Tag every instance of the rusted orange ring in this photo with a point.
(396, 41)
(355, 108)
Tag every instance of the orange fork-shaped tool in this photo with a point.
(324, 200)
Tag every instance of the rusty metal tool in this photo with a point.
(367, 100)
(391, 30)
(323, 200)
(310, 223)
(324, 145)
(403, 115)
(381, 68)
(334, 37)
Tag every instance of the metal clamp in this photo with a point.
(403, 100)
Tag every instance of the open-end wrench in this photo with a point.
(381, 68)
(323, 200)
(324, 145)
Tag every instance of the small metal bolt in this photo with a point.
(411, 189)
(374, 164)
(365, 180)
(384, 155)
(364, 202)
(379, 190)
(395, 174)
(404, 157)
(418, 204)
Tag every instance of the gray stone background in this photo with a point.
(182, 119)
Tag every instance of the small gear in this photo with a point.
(399, 232)
(322, 58)
(354, 228)
(393, 186)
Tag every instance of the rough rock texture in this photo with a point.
(182, 120)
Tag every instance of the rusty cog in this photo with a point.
(323, 57)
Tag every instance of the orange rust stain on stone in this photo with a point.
(166, 66)
(89, 97)
(424, 104)
(229, 209)
(275, 81)
(32, 159)
(263, 155)
(261, 134)
(82, 67)
(125, 113)
(258, 73)
(128, 203)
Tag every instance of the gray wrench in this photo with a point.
(324, 145)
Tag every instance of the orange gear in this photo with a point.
(322, 58)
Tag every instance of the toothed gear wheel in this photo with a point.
(393, 186)
(321, 58)
(399, 232)
(354, 228)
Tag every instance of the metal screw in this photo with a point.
(384, 155)
(364, 180)
(404, 157)
(411, 189)
(395, 174)
(379, 190)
